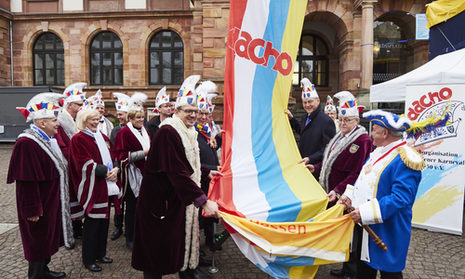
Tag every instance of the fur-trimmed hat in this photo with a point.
(186, 94)
(43, 105)
(162, 98)
(74, 93)
(123, 101)
(308, 89)
(205, 94)
(347, 104)
(94, 101)
(330, 104)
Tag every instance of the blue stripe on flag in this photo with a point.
(285, 206)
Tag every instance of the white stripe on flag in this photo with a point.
(248, 198)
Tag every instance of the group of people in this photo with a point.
(377, 175)
(71, 165)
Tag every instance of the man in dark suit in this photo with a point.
(316, 128)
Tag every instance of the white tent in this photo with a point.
(447, 68)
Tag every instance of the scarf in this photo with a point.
(67, 123)
(113, 189)
(329, 156)
(191, 147)
(204, 131)
(134, 174)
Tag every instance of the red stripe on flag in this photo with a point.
(221, 188)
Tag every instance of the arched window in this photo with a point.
(166, 59)
(312, 61)
(49, 63)
(106, 59)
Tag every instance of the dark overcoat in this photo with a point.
(315, 135)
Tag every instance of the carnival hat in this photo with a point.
(162, 98)
(347, 104)
(43, 105)
(137, 101)
(186, 94)
(123, 101)
(94, 101)
(308, 89)
(330, 104)
(74, 93)
(205, 95)
(388, 120)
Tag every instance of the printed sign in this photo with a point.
(439, 202)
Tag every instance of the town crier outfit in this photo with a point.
(40, 171)
(383, 196)
(343, 159)
(166, 236)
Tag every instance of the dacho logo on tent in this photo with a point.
(258, 51)
(426, 101)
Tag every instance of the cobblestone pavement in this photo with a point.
(431, 255)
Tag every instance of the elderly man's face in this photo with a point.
(73, 108)
(48, 125)
(310, 105)
(331, 114)
(347, 124)
(202, 117)
(188, 114)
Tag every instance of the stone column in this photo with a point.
(367, 43)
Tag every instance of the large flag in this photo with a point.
(272, 205)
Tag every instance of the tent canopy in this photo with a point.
(444, 69)
(442, 10)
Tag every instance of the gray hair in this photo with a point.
(396, 134)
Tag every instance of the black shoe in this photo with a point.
(129, 245)
(94, 267)
(193, 274)
(54, 275)
(105, 260)
(116, 233)
(337, 272)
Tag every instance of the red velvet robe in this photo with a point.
(125, 143)
(166, 190)
(77, 212)
(92, 190)
(37, 194)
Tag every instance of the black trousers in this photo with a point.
(365, 271)
(118, 218)
(94, 239)
(37, 270)
(350, 267)
(130, 214)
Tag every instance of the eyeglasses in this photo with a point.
(190, 111)
(346, 120)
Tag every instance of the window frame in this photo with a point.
(101, 67)
(43, 53)
(172, 49)
(322, 57)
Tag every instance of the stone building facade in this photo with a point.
(336, 53)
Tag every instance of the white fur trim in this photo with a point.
(349, 192)
(389, 118)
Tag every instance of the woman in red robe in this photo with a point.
(132, 144)
(96, 179)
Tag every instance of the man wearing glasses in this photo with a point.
(166, 233)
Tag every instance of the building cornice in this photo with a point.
(102, 15)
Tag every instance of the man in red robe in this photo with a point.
(39, 169)
(166, 235)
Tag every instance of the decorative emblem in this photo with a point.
(353, 148)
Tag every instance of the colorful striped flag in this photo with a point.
(272, 205)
